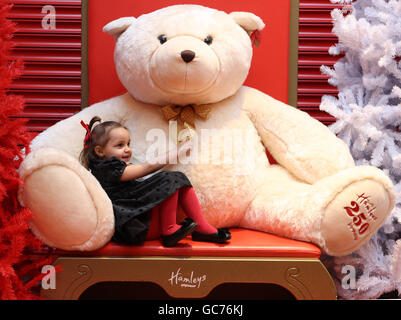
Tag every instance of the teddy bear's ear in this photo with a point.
(248, 21)
(117, 27)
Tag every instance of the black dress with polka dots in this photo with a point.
(133, 200)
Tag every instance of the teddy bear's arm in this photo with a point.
(68, 134)
(301, 144)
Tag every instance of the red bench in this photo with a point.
(194, 269)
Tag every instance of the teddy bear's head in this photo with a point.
(183, 54)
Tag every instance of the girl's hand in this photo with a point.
(173, 155)
(184, 149)
(170, 156)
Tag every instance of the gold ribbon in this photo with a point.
(186, 113)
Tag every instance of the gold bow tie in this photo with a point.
(186, 113)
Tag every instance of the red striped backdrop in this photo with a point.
(315, 39)
(51, 83)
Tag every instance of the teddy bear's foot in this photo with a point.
(354, 215)
(70, 209)
(338, 213)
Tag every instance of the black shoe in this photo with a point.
(186, 222)
(172, 239)
(226, 231)
(221, 236)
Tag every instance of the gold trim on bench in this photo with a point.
(193, 277)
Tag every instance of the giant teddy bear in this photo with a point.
(194, 60)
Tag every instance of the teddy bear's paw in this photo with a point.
(70, 209)
(354, 215)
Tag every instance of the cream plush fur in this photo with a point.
(315, 193)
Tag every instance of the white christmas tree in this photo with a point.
(368, 113)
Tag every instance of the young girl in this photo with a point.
(144, 209)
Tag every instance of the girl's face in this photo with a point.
(118, 146)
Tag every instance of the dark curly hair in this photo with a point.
(99, 137)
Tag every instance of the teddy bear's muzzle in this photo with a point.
(184, 65)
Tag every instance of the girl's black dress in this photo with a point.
(133, 200)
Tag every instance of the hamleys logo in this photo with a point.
(362, 211)
(190, 280)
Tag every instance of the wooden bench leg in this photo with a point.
(196, 277)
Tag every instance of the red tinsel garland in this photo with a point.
(15, 238)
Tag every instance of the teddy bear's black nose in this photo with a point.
(187, 55)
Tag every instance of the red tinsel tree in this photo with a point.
(16, 241)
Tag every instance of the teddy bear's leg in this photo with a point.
(70, 209)
(339, 213)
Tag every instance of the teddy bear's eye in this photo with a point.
(208, 40)
(162, 38)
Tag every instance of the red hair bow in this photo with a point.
(88, 136)
(256, 38)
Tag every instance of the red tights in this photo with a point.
(164, 216)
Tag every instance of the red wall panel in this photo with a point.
(51, 82)
(269, 71)
(315, 39)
